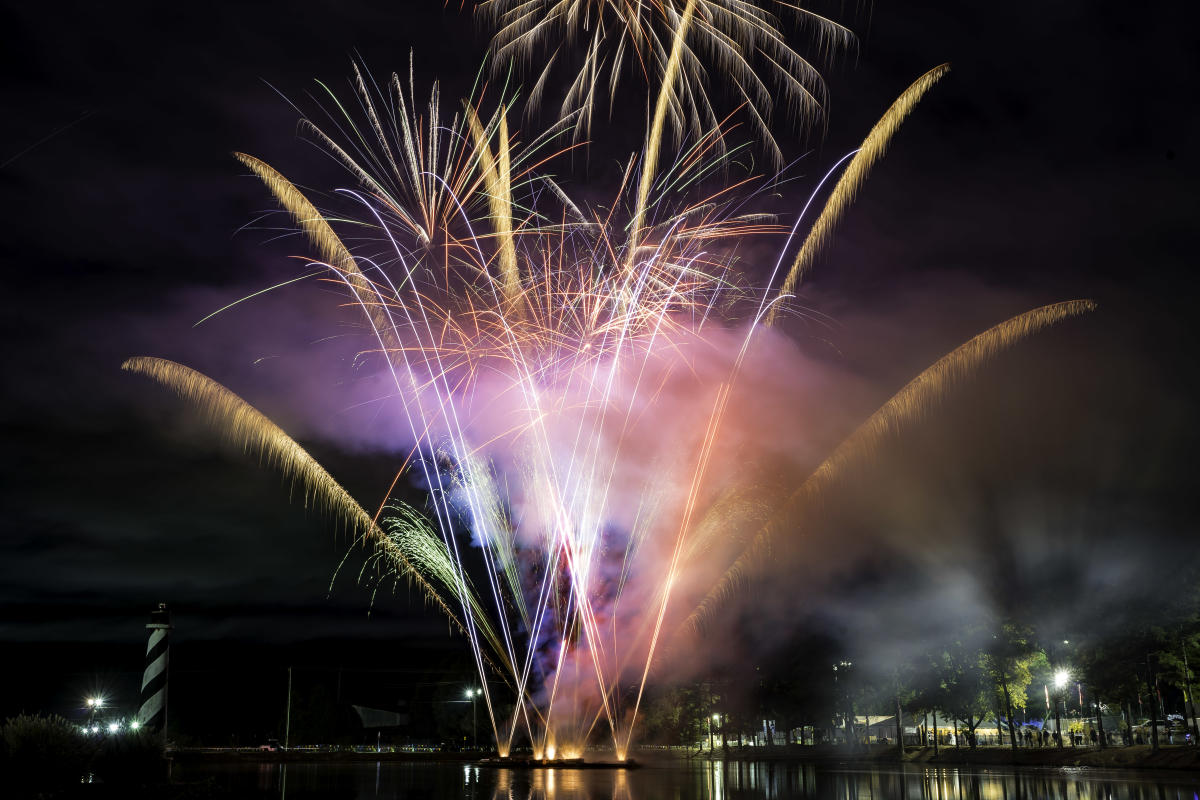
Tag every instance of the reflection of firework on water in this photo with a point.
(565, 375)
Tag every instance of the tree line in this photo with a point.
(1007, 672)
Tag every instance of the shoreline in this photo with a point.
(1177, 757)
(1137, 757)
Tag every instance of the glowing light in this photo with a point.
(113, 727)
(133, 726)
(1061, 678)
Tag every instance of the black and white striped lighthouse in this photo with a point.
(153, 712)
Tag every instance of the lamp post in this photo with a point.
(845, 666)
(94, 704)
(1061, 679)
(712, 723)
(472, 694)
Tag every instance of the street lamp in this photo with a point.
(845, 666)
(94, 704)
(1061, 679)
(471, 695)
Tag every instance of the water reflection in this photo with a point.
(682, 780)
(552, 784)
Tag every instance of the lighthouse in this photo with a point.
(153, 712)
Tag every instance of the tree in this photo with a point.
(677, 715)
(892, 688)
(1011, 659)
(796, 687)
(1176, 665)
(961, 682)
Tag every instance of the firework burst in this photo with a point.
(566, 372)
(674, 45)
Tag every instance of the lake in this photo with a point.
(683, 780)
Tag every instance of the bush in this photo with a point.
(43, 754)
(47, 756)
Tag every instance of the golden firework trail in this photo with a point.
(497, 170)
(872, 149)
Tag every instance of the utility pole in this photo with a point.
(287, 720)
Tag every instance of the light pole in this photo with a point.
(94, 704)
(845, 665)
(472, 694)
(1061, 679)
(712, 723)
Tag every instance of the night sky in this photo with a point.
(1058, 160)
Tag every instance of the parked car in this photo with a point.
(271, 746)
